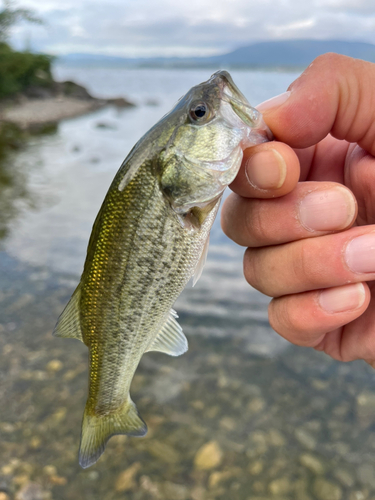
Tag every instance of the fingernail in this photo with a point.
(274, 102)
(342, 298)
(360, 254)
(266, 170)
(327, 209)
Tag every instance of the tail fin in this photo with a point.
(96, 431)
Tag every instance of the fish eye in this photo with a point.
(200, 112)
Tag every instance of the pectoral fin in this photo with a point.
(201, 262)
(68, 325)
(171, 339)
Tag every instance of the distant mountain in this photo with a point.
(283, 53)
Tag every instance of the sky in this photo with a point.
(147, 28)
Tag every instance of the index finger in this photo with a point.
(336, 94)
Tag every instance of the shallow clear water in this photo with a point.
(242, 415)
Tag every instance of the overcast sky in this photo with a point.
(134, 28)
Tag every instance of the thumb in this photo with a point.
(335, 94)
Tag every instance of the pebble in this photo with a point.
(50, 470)
(35, 442)
(275, 438)
(163, 452)
(255, 468)
(4, 496)
(125, 481)
(55, 365)
(31, 491)
(366, 475)
(305, 439)
(358, 495)
(312, 463)
(345, 477)
(173, 491)
(58, 480)
(280, 486)
(256, 405)
(326, 490)
(365, 408)
(209, 456)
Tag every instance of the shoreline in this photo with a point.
(40, 107)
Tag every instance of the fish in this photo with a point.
(148, 240)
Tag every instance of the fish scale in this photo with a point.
(149, 238)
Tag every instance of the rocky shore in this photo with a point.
(41, 106)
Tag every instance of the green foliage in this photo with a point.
(20, 70)
(10, 15)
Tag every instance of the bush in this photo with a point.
(20, 70)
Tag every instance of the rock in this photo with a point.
(312, 463)
(366, 475)
(358, 495)
(50, 470)
(275, 438)
(106, 126)
(58, 480)
(31, 491)
(163, 452)
(255, 468)
(173, 491)
(280, 486)
(305, 439)
(55, 365)
(125, 481)
(120, 102)
(208, 456)
(366, 408)
(345, 477)
(326, 490)
(35, 442)
(256, 405)
(228, 423)
(147, 485)
(152, 102)
(198, 493)
(4, 496)
(258, 444)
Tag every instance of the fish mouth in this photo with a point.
(249, 116)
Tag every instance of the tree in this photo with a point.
(10, 15)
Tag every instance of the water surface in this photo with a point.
(243, 415)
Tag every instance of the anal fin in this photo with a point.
(171, 339)
(69, 325)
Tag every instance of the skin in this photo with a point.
(325, 139)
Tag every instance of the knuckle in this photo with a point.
(303, 265)
(252, 269)
(257, 226)
(288, 321)
(330, 59)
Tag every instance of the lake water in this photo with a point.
(243, 415)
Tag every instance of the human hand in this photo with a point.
(311, 244)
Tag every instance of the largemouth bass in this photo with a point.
(149, 238)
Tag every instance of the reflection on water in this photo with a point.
(243, 415)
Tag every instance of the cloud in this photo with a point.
(167, 27)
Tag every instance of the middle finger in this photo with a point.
(311, 209)
(311, 264)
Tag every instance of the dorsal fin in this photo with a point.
(171, 339)
(68, 325)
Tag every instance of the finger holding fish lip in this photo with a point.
(311, 209)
